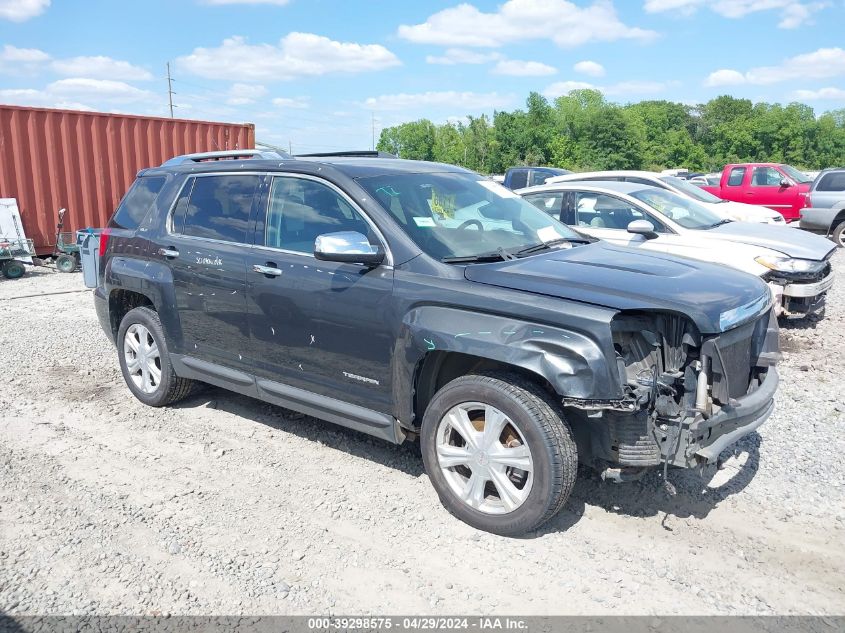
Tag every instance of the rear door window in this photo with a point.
(736, 176)
(137, 203)
(549, 201)
(219, 207)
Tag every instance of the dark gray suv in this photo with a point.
(417, 300)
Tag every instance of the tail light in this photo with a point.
(104, 241)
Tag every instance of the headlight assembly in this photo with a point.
(789, 264)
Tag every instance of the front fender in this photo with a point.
(571, 361)
(154, 280)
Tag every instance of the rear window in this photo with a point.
(136, 203)
(834, 181)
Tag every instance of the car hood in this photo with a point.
(747, 212)
(787, 240)
(631, 279)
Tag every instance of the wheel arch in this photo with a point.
(440, 344)
(130, 283)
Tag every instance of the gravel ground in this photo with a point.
(226, 505)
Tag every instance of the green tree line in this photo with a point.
(583, 131)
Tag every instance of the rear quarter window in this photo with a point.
(519, 178)
(834, 181)
(137, 203)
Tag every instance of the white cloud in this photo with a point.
(296, 55)
(820, 64)
(821, 93)
(523, 69)
(245, 94)
(455, 56)
(296, 102)
(98, 89)
(587, 67)
(21, 61)
(80, 93)
(724, 77)
(794, 13)
(447, 99)
(100, 67)
(278, 3)
(563, 22)
(22, 10)
(23, 55)
(621, 89)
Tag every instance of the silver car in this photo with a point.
(825, 213)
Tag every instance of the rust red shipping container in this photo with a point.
(85, 161)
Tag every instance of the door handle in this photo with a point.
(168, 252)
(272, 271)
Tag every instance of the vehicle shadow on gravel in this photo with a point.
(695, 498)
(403, 457)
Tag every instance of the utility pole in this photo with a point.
(373, 115)
(170, 89)
(290, 148)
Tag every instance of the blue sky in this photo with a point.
(317, 73)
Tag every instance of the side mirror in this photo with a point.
(349, 247)
(785, 183)
(642, 227)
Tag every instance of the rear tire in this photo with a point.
(838, 234)
(66, 263)
(145, 360)
(526, 466)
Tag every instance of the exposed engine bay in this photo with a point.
(682, 391)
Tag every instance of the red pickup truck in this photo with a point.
(779, 187)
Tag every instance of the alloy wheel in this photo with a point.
(143, 359)
(484, 458)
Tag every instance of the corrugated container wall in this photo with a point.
(85, 161)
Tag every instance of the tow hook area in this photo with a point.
(623, 474)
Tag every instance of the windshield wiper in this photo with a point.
(542, 246)
(720, 223)
(500, 254)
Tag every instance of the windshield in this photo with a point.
(797, 176)
(679, 209)
(689, 189)
(456, 215)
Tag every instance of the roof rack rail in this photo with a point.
(229, 154)
(363, 153)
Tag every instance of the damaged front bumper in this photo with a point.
(700, 441)
(796, 299)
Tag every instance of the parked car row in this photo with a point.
(793, 263)
(414, 300)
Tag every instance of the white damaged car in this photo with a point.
(723, 208)
(794, 263)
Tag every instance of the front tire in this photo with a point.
(145, 360)
(498, 452)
